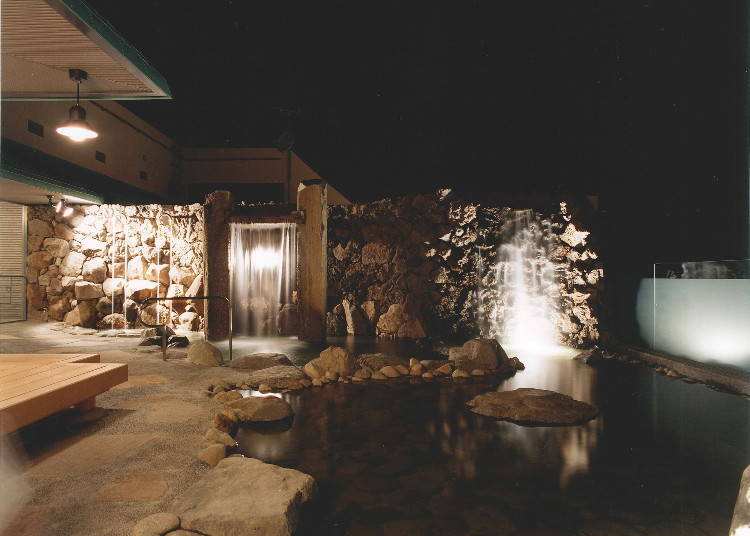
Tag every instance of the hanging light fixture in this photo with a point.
(76, 127)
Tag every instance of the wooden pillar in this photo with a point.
(217, 210)
(312, 254)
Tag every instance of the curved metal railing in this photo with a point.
(185, 298)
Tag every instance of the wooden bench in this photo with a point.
(34, 386)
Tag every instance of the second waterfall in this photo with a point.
(263, 266)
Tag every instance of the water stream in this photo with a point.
(263, 260)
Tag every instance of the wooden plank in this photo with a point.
(49, 358)
(61, 383)
(9, 372)
(47, 376)
(31, 407)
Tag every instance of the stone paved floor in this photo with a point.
(131, 458)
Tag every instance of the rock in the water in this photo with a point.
(390, 372)
(204, 353)
(378, 361)
(259, 361)
(332, 359)
(533, 406)
(261, 409)
(156, 524)
(226, 421)
(213, 454)
(277, 377)
(398, 322)
(245, 496)
(479, 354)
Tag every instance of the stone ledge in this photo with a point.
(731, 379)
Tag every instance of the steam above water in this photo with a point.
(519, 294)
(263, 267)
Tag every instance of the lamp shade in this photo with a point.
(76, 127)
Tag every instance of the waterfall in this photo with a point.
(520, 294)
(263, 265)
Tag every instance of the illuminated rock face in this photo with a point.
(448, 262)
(154, 246)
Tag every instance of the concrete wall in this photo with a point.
(225, 166)
(130, 144)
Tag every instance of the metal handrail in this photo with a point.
(187, 298)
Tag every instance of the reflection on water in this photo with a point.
(663, 454)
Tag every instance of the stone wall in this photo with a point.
(421, 265)
(94, 267)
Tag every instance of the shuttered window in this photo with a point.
(12, 262)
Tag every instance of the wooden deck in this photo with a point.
(34, 386)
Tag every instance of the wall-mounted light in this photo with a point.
(76, 127)
(61, 207)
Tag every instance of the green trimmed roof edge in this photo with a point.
(47, 183)
(98, 24)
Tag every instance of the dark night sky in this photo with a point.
(643, 103)
(389, 96)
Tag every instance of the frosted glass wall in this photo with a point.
(698, 310)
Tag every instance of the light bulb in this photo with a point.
(67, 212)
(76, 133)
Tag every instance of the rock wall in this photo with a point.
(94, 267)
(422, 265)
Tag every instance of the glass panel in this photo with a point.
(699, 310)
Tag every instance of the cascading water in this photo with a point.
(263, 260)
(520, 294)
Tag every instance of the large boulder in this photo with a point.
(139, 289)
(259, 361)
(375, 253)
(39, 260)
(64, 232)
(158, 273)
(86, 290)
(57, 247)
(262, 409)
(86, 313)
(398, 322)
(35, 296)
(181, 275)
(245, 496)
(92, 247)
(276, 377)
(72, 264)
(204, 353)
(58, 307)
(113, 285)
(189, 321)
(477, 354)
(356, 322)
(39, 228)
(532, 406)
(112, 321)
(379, 360)
(156, 524)
(333, 359)
(95, 270)
(136, 267)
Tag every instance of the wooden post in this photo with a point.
(312, 253)
(217, 210)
